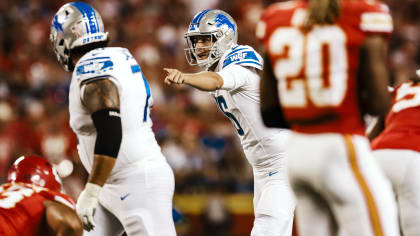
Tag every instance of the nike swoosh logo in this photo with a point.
(124, 197)
(272, 173)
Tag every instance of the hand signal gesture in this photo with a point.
(174, 76)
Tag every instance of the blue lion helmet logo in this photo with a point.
(223, 20)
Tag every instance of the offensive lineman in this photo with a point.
(231, 78)
(109, 107)
(31, 202)
(323, 58)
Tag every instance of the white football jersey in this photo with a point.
(239, 100)
(138, 140)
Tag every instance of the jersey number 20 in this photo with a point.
(310, 67)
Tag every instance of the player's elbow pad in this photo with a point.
(109, 131)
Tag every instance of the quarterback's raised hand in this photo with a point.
(206, 81)
(174, 76)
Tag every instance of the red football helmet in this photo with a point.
(34, 170)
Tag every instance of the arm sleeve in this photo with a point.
(235, 76)
(376, 19)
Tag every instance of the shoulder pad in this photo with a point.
(99, 63)
(244, 56)
(372, 16)
(93, 67)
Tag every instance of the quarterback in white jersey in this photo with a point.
(130, 185)
(231, 78)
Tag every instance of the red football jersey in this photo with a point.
(316, 70)
(402, 129)
(22, 208)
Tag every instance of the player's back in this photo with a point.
(317, 68)
(118, 65)
(402, 128)
(22, 208)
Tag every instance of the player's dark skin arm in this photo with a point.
(377, 128)
(373, 77)
(99, 95)
(271, 111)
(62, 220)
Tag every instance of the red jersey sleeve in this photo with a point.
(59, 197)
(374, 16)
(277, 14)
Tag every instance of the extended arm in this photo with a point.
(101, 99)
(271, 111)
(206, 81)
(373, 76)
(62, 220)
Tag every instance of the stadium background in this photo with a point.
(213, 180)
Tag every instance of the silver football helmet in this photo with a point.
(218, 25)
(75, 24)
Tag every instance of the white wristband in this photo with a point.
(92, 190)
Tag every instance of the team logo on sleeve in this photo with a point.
(95, 66)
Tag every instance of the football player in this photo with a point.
(130, 184)
(230, 74)
(325, 67)
(31, 202)
(398, 152)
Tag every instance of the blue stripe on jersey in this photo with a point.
(147, 97)
(137, 69)
(241, 57)
(235, 50)
(88, 12)
(91, 68)
(235, 47)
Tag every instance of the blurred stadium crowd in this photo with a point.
(200, 144)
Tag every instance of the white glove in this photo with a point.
(86, 205)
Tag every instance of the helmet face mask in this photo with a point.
(216, 24)
(193, 52)
(75, 24)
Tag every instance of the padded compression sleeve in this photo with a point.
(109, 131)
